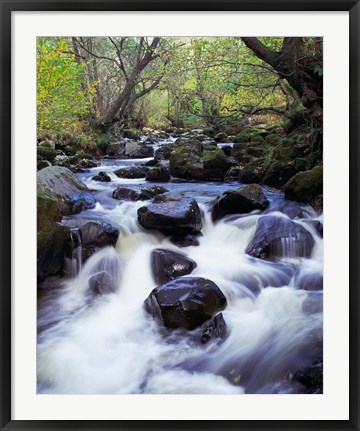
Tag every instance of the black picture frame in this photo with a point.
(9, 6)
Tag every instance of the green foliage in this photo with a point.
(318, 70)
(62, 95)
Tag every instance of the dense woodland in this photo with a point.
(86, 84)
(179, 205)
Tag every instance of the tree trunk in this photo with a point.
(300, 65)
(122, 101)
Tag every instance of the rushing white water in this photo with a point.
(108, 344)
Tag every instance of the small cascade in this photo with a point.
(73, 256)
(97, 338)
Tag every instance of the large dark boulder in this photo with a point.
(185, 302)
(240, 201)
(52, 237)
(72, 195)
(126, 194)
(96, 235)
(216, 164)
(171, 213)
(277, 237)
(278, 173)
(133, 172)
(158, 174)
(167, 265)
(187, 162)
(305, 186)
(253, 172)
(163, 152)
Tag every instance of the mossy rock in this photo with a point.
(47, 153)
(243, 137)
(305, 186)
(273, 139)
(70, 150)
(81, 154)
(257, 151)
(216, 164)
(186, 162)
(132, 133)
(52, 237)
(253, 172)
(132, 172)
(48, 144)
(278, 173)
(158, 174)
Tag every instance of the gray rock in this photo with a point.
(72, 195)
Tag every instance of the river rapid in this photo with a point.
(109, 344)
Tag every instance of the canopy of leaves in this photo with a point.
(62, 96)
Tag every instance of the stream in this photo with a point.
(109, 344)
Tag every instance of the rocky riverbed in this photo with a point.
(181, 264)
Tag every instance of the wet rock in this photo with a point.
(72, 195)
(123, 193)
(189, 142)
(96, 235)
(216, 164)
(150, 192)
(187, 162)
(186, 302)
(138, 150)
(279, 173)
(185, 240)
(277, 237)
(87, 163)
(215, 328)
(253, 172)
(47, 153)
(103, 177)
(311, 378)
(151, 163)
(133, 172)
(102, 283)
(158, 174)
(52, 237)
(232, 174)
(170, 214)
(240, 201)
(116, 150)
(41, 164)
(163, 152)
(167, 265)
(305, 186)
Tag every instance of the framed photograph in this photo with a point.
(179, 204)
